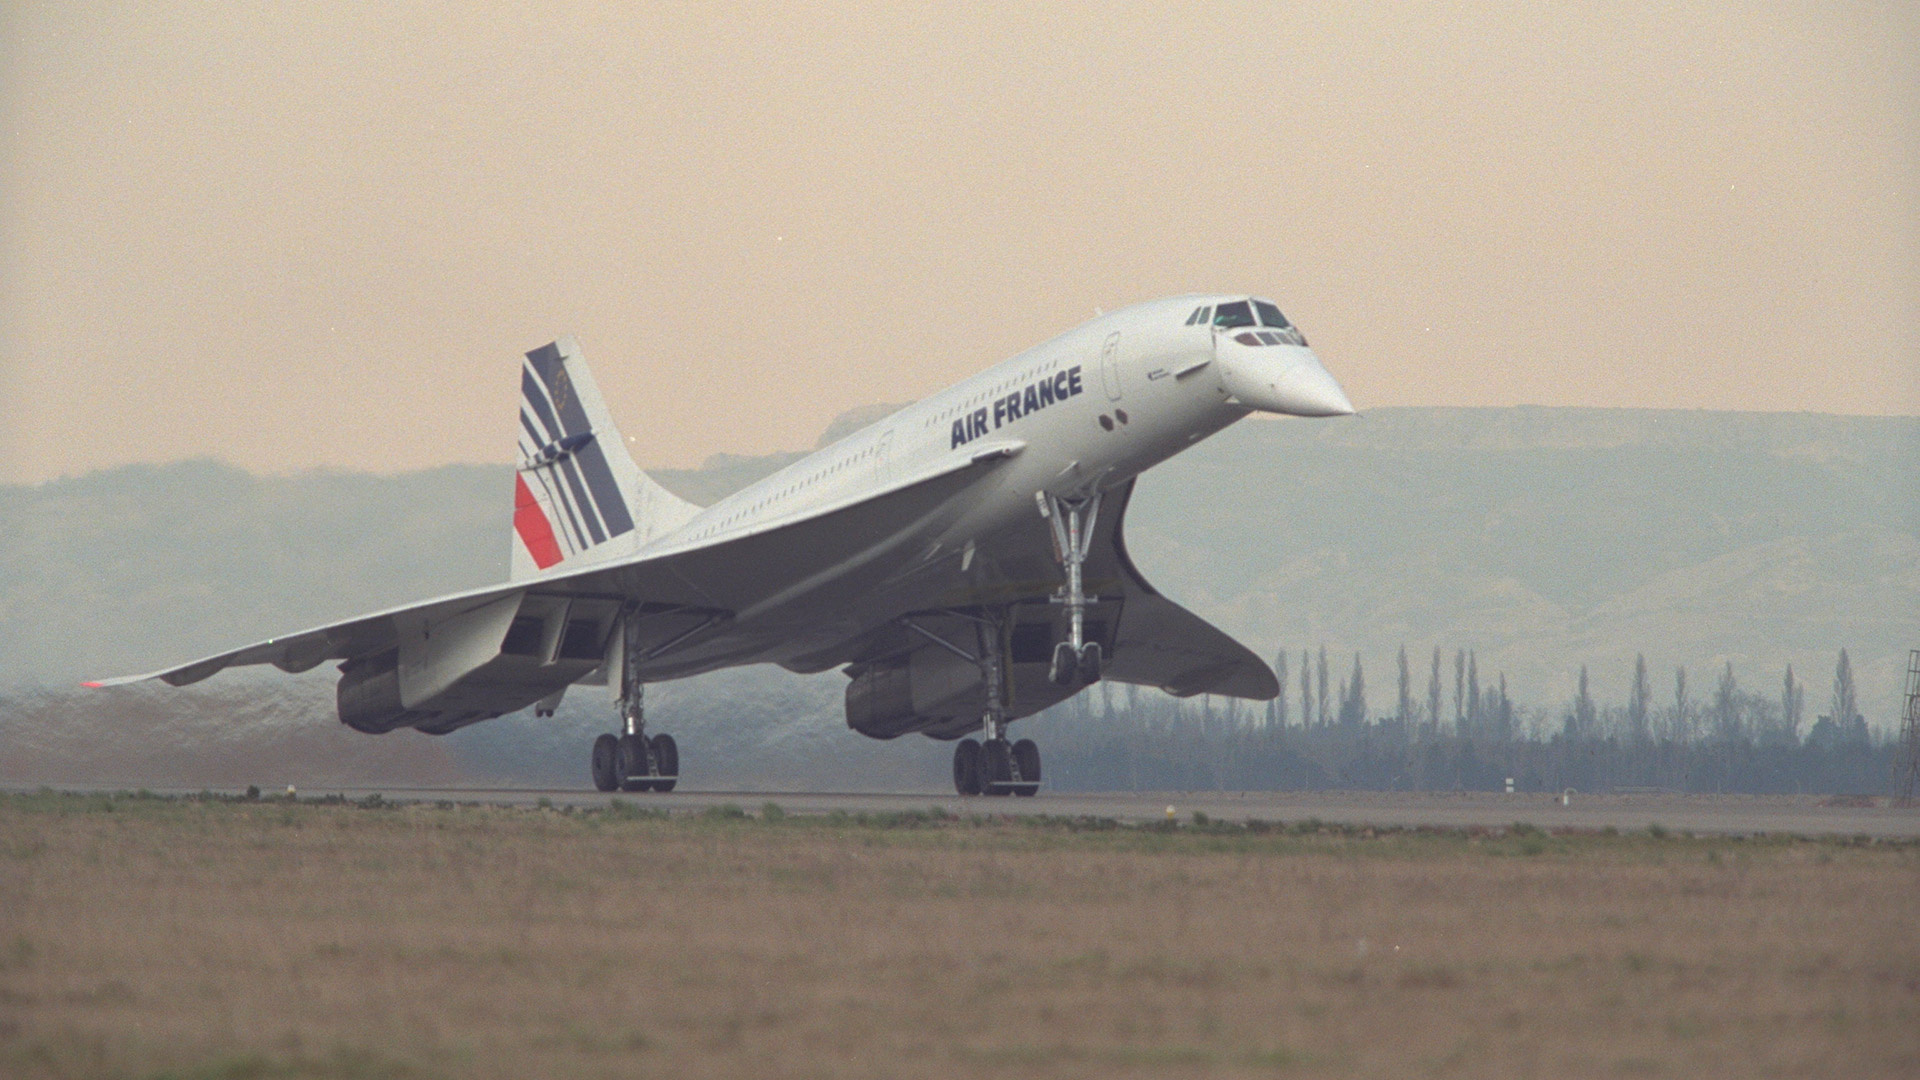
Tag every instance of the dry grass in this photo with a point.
(204, 939)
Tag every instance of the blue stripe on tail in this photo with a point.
(568, 417)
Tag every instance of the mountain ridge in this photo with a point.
(1541, 537)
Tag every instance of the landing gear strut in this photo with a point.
(992, 767)
(1075, 659)
(631, 761)
(1000, 771)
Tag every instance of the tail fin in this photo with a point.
(578, 497)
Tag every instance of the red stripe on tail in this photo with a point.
(531, 523)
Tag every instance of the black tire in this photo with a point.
(1065, 665)
(666, 758)
(604, 776)
(1026, 754)
(632, 759)
(996, 767)
(966, 767)
(1090, 661)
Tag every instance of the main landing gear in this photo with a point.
(1075, 659)
(631, 761)
(995, 767)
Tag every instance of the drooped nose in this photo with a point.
(1279, 379)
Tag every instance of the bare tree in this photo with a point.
(1473, 694)
(1306, 688)
(1406, 690)
(1639, 699)
(1726, 707)
(1353, 697)
(1792, 699)
(1845, 704)
(1433, 695)
(1277, 708)
(1324, 683)
(1460, 691)
(1682, 706)
(1579, 722)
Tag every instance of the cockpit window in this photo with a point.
(1270, 315)
(1199, 315)
(1228, 316)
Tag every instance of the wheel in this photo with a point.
(605, 776)
(966, 767)
(1064, 665)
(631, 757)
(1026, 754)
(1090, 663)
(996, 767)
(666, 758)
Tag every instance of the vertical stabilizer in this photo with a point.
(578, 497)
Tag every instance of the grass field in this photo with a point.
(143, 937)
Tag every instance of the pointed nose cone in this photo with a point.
(1308, 390)
(1283, 379)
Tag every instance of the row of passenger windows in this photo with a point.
(1000, 389)
(793, 488)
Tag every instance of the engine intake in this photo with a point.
(369, 694)
(911, 693)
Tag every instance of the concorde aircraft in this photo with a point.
(962, 561)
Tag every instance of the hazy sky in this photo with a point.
(320, 235)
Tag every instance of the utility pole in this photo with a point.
(1909, 764)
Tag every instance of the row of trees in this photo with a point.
(1478, 713)
(1121, 737)
(1729, 714)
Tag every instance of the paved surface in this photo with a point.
(1800, 815)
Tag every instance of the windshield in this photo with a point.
(1238, 313)
(1270, 315)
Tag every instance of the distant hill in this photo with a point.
(1543, 539)
(1549, 538)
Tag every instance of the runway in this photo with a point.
(1726, 815)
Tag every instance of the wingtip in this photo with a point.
(93, 685)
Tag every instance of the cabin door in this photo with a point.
(1110, 366)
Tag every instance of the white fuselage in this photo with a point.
(1086, 411)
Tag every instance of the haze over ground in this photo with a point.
(1542, 539)
(319, 236)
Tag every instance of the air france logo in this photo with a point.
(1031, 398)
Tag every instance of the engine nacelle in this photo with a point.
(911, 693)
(461, 665)
(369, 694)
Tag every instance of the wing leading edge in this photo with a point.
(1163, 645)
(725, 574)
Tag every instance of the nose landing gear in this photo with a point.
(1072, 521)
